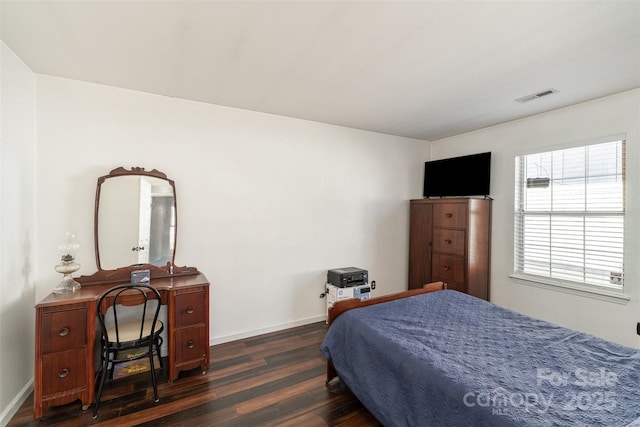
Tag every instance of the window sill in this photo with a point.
(610, 295)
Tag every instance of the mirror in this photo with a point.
(136, 221)
(135, 225)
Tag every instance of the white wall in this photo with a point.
(612, 115)
(266, 204)
(17, 230)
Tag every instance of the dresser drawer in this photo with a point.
(450, 215)
(63, 371)
(448, 268)
(190, 309)
(448, 241)
(191, 344)
(63, 330)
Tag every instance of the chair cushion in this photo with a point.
(130, 330)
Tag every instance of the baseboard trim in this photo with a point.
(273, 328)
(16, 403)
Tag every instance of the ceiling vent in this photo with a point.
(536, 95)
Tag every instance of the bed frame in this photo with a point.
(349, 304)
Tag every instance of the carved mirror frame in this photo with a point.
(123, 274)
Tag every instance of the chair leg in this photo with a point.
(103, 376)
(158, 346)
(110, 371)
(153, 373)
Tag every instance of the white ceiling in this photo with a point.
(421, 69)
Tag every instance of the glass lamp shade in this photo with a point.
(69, 246)
(68, 250)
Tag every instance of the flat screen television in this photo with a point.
(458, 176)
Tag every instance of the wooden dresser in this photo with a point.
(65, 347)
(450, 241)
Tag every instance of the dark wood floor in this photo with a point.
(276, 379)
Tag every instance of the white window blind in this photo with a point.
(569, 215)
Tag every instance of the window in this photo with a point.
(569, 215)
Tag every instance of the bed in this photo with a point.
(436, 358)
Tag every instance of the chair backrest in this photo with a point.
(138, 295)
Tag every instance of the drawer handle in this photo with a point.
(190, 310)
(63, 373)
(64, 332)
(446, 268)
(449, 215)
(447, 241)
(190, 344)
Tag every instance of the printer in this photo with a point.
(347, 277)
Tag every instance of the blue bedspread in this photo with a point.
(448, 359)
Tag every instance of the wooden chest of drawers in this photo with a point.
(190, 337)
(63, 358)
(450, 241)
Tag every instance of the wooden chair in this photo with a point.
(125, 340)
